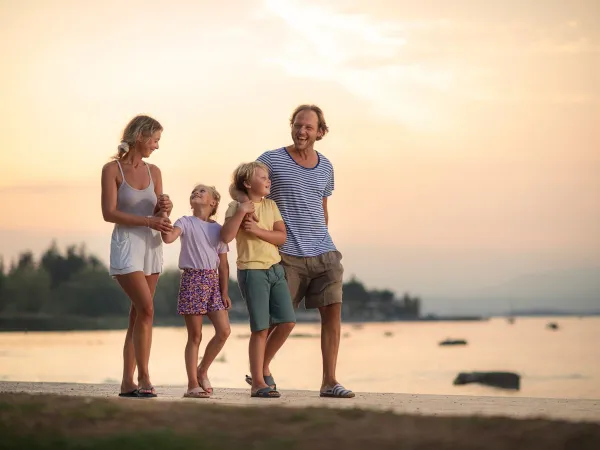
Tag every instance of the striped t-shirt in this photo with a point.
(298, 192)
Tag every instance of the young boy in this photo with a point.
(260, 276)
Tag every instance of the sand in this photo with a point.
(573, 410)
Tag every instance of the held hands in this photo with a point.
(227, 302)
(247, 207)
(249, 225)
(162, 224)
(165, 204)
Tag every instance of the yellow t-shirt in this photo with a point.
(253, 252)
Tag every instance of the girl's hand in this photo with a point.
(227, 302)
(162, 224)
(250, 226)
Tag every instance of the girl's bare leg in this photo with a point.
(220, 320)
(193, 324)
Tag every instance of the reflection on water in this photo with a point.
(374, 357)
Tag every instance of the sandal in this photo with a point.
(205, 384)
(146, 392)
(196, 393)
(268, 380)
(338, 391)
(266, 392)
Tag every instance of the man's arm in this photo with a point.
(325, 211)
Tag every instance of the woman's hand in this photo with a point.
(162, 224)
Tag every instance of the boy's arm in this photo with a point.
(171, 236)
(276, 237)
(232, 224)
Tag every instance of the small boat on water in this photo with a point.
(453, 342)
(503, 380)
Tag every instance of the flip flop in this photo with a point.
(268, 380)
(266, 392)
(131, 394)
(338, 391)
(147, 392)
(196, 393)
(205, 384)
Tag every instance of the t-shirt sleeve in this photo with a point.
(265, 158)
(231, 210)
(181, 223)
(330, 186)
(222, 248)
(276, 213)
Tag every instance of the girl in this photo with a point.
(204, 284)
(260, 276)
(130, 199)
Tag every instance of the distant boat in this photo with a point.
(552, 326)
(453, 342)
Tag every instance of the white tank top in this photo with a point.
(136, 201)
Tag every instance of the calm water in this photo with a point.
(563, 363)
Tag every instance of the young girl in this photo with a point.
(204, 283)
(260, 276)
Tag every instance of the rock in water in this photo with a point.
(503, 380)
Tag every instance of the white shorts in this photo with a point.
(135, 249)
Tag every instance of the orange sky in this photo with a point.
(467, 134)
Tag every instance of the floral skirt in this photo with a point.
(199, 292)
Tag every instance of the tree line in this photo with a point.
(75, 283)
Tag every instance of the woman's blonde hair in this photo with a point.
(138, 127)
(322, 125)
(215, 195)
(243, 174)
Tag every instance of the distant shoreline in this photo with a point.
(35, 323)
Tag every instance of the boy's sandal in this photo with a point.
(196, 393)
(266, 392)
(338, 391)
(268, 380)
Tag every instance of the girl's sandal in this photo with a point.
(196, 393)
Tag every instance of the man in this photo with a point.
(302, 179)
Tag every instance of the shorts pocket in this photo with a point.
(120, 249)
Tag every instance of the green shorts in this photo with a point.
(267, 296)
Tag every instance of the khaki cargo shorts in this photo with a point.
(316, 279)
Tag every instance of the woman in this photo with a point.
(132, 199)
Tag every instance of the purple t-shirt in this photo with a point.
(200, 243)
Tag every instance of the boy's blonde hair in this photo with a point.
(242, 174)
(215, 195)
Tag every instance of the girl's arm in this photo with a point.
(233, 223)
(111, 214)
(171, 236)
(224, 279)
(276, 237)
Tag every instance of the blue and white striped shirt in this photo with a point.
(298, 192)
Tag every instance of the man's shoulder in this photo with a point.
(324, 160)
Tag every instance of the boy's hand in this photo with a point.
(250, 226)
(227, 302)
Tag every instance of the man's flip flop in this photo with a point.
(131, 394)
(338, 391)
(146, 392)
(268, 380)
(196, 393)
(266, 392)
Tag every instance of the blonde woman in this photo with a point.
(132, 199)
(203, 290)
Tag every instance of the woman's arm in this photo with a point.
(111, 214)
(164, 204)
(276, 237)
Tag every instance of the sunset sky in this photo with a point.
(465, 135)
